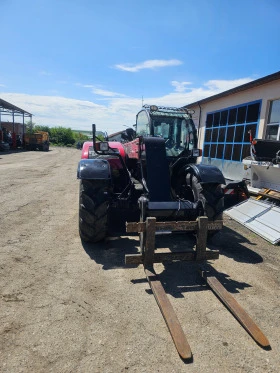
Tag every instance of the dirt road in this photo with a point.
(71, 307)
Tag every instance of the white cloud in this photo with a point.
(180, 86)
(57, 111)
(114, 112)
(103, 92)
(149, 64)
(100, 91)
(224, 85)
(45, 73)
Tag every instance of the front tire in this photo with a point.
(211, 196)
(93, 210)
(212, 199)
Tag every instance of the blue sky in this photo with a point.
(77, 62)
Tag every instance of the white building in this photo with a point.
(224, 120)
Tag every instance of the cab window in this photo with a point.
(142, 124)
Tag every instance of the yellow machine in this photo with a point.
(38, 140)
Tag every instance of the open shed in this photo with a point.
(12, 126)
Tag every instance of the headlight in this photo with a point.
(153, 108)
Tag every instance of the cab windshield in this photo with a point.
(177, 132)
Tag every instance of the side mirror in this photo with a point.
(130, 133)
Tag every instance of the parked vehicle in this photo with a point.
(263, 165)
(155, 173)
(38, 140)
(4, 146)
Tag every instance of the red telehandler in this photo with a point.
(153, 171)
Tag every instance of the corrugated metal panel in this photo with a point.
(263, 218)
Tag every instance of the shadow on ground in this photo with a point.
(232, 244)
(180, 277)
(19, 150)
(177, 277)
(111, 253)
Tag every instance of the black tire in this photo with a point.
(211, 196)
(93, 210)
(212, 199)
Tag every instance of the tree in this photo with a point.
(58, 135)
(29, 127)
(42, 128)
(78, 136)
(62, 136)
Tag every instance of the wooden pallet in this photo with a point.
(268, 193)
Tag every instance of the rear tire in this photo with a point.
(93, 210)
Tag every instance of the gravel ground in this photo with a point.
(67, 306)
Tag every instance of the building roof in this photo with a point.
(243, 87)
(6, 107)
(116, 133)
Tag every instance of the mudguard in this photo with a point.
(206, 173)
(91, 169)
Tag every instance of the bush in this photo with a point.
(59, 136)
(63, 136)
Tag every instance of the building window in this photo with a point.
(273, 123)
(226, 132)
